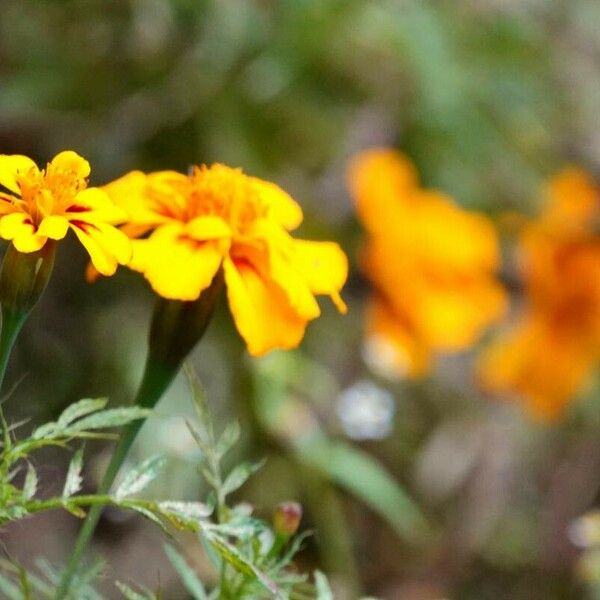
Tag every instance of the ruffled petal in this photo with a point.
(54, 227)
(282, 208)
(93, 204)
(381, 181)
(106, 245)
(270, 249)
(177, 266)
(134, 194)
(10, 167)
(391, 347)
(19, 228)
(261, 311)
(207, 228)
(324, 267)
(70, 161)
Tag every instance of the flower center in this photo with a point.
(227, 193)
(48, 192)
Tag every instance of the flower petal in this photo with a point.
(283, 209)
(70, 161)
(177, 266)
(270, 249)
(54, 227)
(131, 193)
(106, 245)
(392, 348)
(11, 166)
(207, 228)
(381, 181)
(19, 228)
(324, 267)
(261, 311)
(94, 204)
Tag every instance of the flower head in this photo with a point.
(218, 217)
(41, 204)
(550, 353)
(431, 263)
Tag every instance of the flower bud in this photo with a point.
(23, 278)
(286, 519)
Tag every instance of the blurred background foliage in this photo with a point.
(443, 493)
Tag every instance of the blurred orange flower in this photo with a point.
(219, 217)
(431, 263)
(548, 356)
(41, 204)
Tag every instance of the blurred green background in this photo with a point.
(488, 97)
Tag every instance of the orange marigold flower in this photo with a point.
(41, 204)
(551, 352)
(431, 263)
(219, 217)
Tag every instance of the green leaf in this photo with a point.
(112, 417)
(239, 476)
(73, 481)
(140, 476)
(323, 589)
(188, 577)
(80, 409)
(30, 484)
(189, 510)
(228, 439)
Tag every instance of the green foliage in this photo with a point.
(252, 561)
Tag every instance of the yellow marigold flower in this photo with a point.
(432, 265)
(219, 217)
(41, 204)
(551, 352)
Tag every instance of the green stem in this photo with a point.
(154, 383)
(12, 323)
(175, 329)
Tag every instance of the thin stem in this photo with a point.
(12, 322)
(154, 383)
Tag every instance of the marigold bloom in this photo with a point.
(551, 352)
(432, 265)
(41, 204)
(219, 217)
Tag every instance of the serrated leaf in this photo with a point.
(73, 481)
(112, 417)
(80, 409)
(190, 510)
(323, 589)
(188, 577)
(30, 484)
(228, 439)
(239, 476)
(139, 477)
